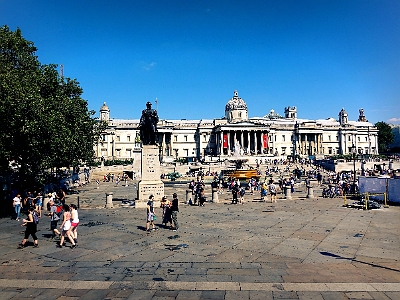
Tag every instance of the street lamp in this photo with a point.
(353, 150)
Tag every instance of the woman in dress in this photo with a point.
(166, 207)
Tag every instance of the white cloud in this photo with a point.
(148, 66)
(394, 120)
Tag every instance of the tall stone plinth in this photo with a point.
(150, 184)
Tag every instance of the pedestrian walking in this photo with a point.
(17, 206)
(54, 218)
(150, 214)
(272, 190)
(65, 227)
(166, 207)
(174, 211)
(74, 222)
(31, 229)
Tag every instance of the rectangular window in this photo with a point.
(118, 152)
(175, 138)
(128, 138)
(128, 152)
(337, 138)
(283, 139)
(186, 152)
(185, 138)
(205, 137)
(103, 137)
(349, 138)
(359, 138)
(117, 138)
(329, 138)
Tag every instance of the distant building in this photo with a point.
(272, 135)
(396, 134)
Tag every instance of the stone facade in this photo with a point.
(272, 135)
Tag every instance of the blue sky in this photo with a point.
(317, 55)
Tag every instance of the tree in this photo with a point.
(385, 136)
(46, 122)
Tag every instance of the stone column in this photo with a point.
(221, 142)
(255, 143)
(310, 193)
(242, 139)
(163, 146)
(306, 143)
(109, 200)
(312, 144)
(214, 194)
(229, 141)
(188, 196)
(288, 192)
(248, 142)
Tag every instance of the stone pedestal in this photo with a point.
(214, 198)
(109, 201)
(188, 196)
(310, 193)
(288, 193)
(150, 184)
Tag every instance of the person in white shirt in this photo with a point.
(17, 206)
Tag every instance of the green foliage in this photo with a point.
(173, 176)
(46, 122)
(385, 136)
(116, 162)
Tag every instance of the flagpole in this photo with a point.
(156, 104)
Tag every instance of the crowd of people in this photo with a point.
(32, 204)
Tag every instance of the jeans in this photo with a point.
(175, 219)
(17, 209)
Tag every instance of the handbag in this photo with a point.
(154, 217)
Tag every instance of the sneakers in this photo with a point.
(20, 246)
(76, 241)
(59, 246)
(35, 245)
(73, 246)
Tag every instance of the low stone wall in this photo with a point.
(349, 166)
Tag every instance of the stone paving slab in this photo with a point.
(293, 249)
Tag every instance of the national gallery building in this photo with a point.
(270, 136)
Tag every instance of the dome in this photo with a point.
(104, 107)
(235, 103)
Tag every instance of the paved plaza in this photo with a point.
(293, 249)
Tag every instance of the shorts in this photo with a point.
(53, 225)
(74, 224)
(273, 193)
(150, 217)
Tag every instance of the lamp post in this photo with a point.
(353, 150)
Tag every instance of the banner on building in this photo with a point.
(225, 141)
(265, 140)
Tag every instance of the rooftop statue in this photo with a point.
(148, 126)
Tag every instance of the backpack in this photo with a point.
(35, 218)
(59, 210)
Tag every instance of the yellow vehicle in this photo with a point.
(240, 174)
